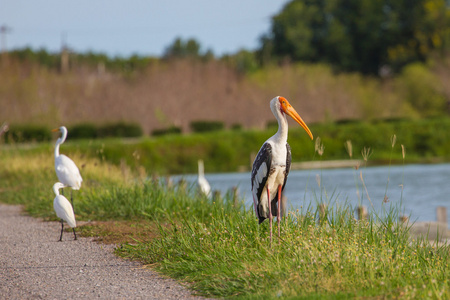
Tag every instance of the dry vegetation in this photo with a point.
(181, 91)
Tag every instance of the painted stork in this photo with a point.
(203, 184)
(63, 210)
(272, 164)
(66, 170)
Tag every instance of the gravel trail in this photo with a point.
(34, 265)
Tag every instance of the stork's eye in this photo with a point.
(283, 102)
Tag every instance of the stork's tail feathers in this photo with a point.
(274, 209)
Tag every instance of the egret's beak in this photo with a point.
(289, 110)
(55, 130)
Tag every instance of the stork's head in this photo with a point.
(286, 108)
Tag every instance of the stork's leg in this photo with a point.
(279, 211)
(62, 228)
(270, 215)
(74, 234)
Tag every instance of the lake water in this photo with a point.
(421, 188)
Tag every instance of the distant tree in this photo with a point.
(41, 56)
(243, 61)
(209, 55)
(183, 49)
(52, 60)
(358, 35)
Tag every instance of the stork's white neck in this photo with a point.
(282, 133)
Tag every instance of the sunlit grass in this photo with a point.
(230, 255)
(218, 247)
(27, 178)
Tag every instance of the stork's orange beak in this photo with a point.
(289, 110)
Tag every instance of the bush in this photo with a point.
(205, 126)
(347, 121)
(27, 133)
(83, 131)
(120, 129)
(236, 126)
(422, 90)
(164, 131)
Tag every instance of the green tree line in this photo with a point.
(359, 35)
(351, 35)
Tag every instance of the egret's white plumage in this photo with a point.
(65, 168)
(272, 164)
(203, 184)
(63, 209)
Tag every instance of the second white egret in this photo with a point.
(63, 210)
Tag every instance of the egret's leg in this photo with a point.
(74, 234)
(270, 215)
(71, 200)
(62, 228)
(279, 211)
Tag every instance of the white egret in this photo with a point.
(203, 184)
(66, 170)
(272, 164)
(63, 210)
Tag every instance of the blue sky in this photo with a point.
(118, 27)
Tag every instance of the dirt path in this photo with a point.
(33, 265)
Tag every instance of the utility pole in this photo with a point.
(4, 30)
(64, 54)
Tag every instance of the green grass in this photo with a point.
(217, 246)
(230, 255)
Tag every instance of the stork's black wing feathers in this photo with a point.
(264, 156)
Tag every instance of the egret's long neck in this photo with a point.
(56, 190)
(59, 142)
(201, 171)
(282, 133)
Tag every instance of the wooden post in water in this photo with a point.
(441, 214)
(216, 195)
(404, 219)
(169, 182)
(182, 185)
(283, 206)
(322, 212)
(235, 192)
(362, 213)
